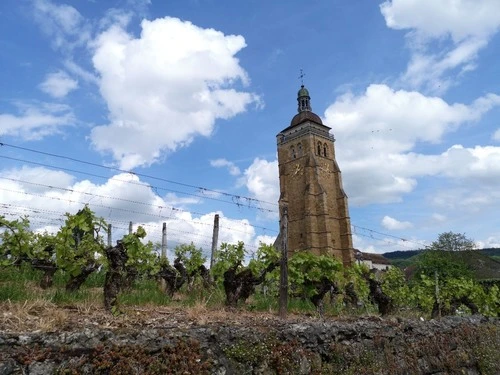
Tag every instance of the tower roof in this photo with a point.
(301, 117)
(304, 109)
(303, 92)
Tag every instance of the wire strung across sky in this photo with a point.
(199, 188)
(160, 207)
(61, 217)
(153, 187)
(372, 232)
(235, 199)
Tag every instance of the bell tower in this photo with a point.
(311, 186)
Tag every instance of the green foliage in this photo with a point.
(444, 263)
(15, 240)
(79, 243)
(450, 241)
(306, 269)
(450, 289)
(191, 257)
(229, 255)
(492, 301)
(356, 276)
(395, 286)
(266, 254)
(140, 256)
(43, 246)
(423, 294)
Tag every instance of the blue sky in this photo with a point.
(189, 95)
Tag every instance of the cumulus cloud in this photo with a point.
(262, 181)
(45, 195)
(58, 84)
(382, 127)
(445, 36)
(36, 121)
(490, 242)
(165, 87)
(232, 168)
(377, 133)
(393, 224)
(382, 244)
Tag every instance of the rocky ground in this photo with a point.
(40, 338)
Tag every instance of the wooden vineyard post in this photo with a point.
(164, 241)
(163, 283)
(215, 240)
(436, 293)
(110, 228)
(283, 299)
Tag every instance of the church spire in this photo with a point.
(303, 97)
(304, 100)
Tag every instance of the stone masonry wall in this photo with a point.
(454, 345)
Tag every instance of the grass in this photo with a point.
(144, 292)
(22, 284)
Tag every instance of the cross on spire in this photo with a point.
(301, 77)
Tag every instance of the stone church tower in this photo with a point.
(311, 187)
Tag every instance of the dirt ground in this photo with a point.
(47, 317)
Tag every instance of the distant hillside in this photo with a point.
(483, 266)
(484, 263)
(401, 255)
(392, 255)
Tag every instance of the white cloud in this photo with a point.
(472, 200)
(262, 181)
(232, 168)
(458, 19)
(77, 70)
(34, 122)
(377, 133)
(265, 239)
(368, 244)
(496, 135)
(38, 175)
(62, 23)
(45, 195)
(165, 87)
(173, 199)
(438, 217)
(381, 127)
(461, 29)
(394, 224)
(58, 84)
(490, 242)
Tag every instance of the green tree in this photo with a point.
(450, 241)
(445, 263)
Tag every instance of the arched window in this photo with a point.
(292, 151)
(319, 148)
(299, 147)
(325, 150)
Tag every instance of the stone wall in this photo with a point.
(453, 345)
